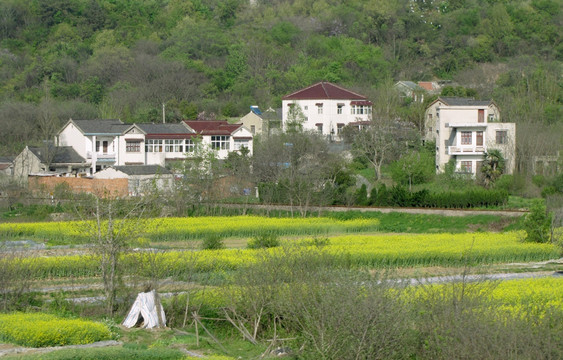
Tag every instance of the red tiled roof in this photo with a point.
(212, 127)
(363, 103)
(426, 85)
(324, 90)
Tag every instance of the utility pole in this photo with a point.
(163, 113)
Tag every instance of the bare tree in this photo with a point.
(381, 141)
(112, 224)
(296, 167)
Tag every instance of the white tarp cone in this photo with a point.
(145, 306)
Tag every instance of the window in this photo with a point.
(360, 110)
(133, 146)
(466, 138)
(97, 146)
(320, 109)
(190, 146)
(320, 128)
(253, 129)
(305, 107)
(174, 146)
(491, 117)
(220, 142)
(239, 144)
(339, 128)
(339, 108)
(466, 166)
(502, 137)
(480, 115)
(153, 145)
(479, 138)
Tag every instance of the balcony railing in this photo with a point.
(101, 155)
(466, 150)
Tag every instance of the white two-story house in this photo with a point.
(97, 141)
(326, 108)
(465, 129)
(105, 143)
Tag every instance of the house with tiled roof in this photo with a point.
(221, 136)
(140, 178)
(324, 107)
(464, 129)
(48, 160)
(104, 143)
(95, 140)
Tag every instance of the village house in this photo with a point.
(465, 129)
(105, 143)
(261, 123)
(48, 160)
(326, 108)
(140, 178)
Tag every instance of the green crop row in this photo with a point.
(378, 251)
(180, 229)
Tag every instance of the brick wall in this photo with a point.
(100, 187)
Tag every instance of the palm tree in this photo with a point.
(493, 167)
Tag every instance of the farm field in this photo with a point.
(347, 258)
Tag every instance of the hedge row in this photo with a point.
(401, 197)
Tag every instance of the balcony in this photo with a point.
(101, 156)
(466, 125)
(466, 150)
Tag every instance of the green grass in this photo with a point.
(396, 222)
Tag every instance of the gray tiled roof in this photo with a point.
(164, 128)
(142, 169)
(459, 101)
(62, 155)
(101, 126)
(6, 159)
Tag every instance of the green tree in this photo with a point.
(537, 223)
(413, 168)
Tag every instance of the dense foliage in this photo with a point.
(123, 59)
(399, 196)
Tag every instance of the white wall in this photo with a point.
(329, 117)
(71, 136)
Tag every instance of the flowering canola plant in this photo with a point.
(40, 330)
(189, 228)
(375, 251)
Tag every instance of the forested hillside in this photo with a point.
(124, 58)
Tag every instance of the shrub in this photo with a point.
(266, 240)
(537, 223)
(361, 197)
(212, 242)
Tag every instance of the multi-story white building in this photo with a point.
(104, 143)
(465, 129)
(326, 108)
